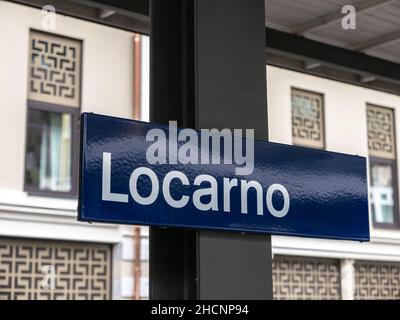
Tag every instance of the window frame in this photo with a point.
(396, 218)
(75, 134)
(74, 111)
(393, 164)
(322, 117)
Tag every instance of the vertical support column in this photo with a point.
(231, 93)
(347, 279)
(172, 264)
(208, 71)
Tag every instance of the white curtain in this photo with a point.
(55, 153)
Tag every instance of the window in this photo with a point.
(50, 148)
(53, 114)
(382, 163)
(307, 119)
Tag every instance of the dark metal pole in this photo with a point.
(208, 71)
(172, 251)
(231, 93)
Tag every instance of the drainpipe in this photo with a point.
(137, 78)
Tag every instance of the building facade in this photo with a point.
(320, 113)
(50, 76)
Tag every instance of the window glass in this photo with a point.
(381, 197)
(48, 157)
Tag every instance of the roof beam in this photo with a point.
(125, 16)
(122, 7)
(345, 59)
(378, 41)
(311, 64)
(335, 16)
(105, 13)
(364, 78)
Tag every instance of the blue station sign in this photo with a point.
(133, 172)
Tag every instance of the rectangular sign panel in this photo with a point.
(140, 173)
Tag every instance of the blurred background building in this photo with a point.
(47, 78)
(94, 61)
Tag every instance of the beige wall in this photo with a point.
(106, 87)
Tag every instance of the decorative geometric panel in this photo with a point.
(376, 280)
(296, 278)
(31, 269)
(307, 119)
(381, 133)
(54, 69)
